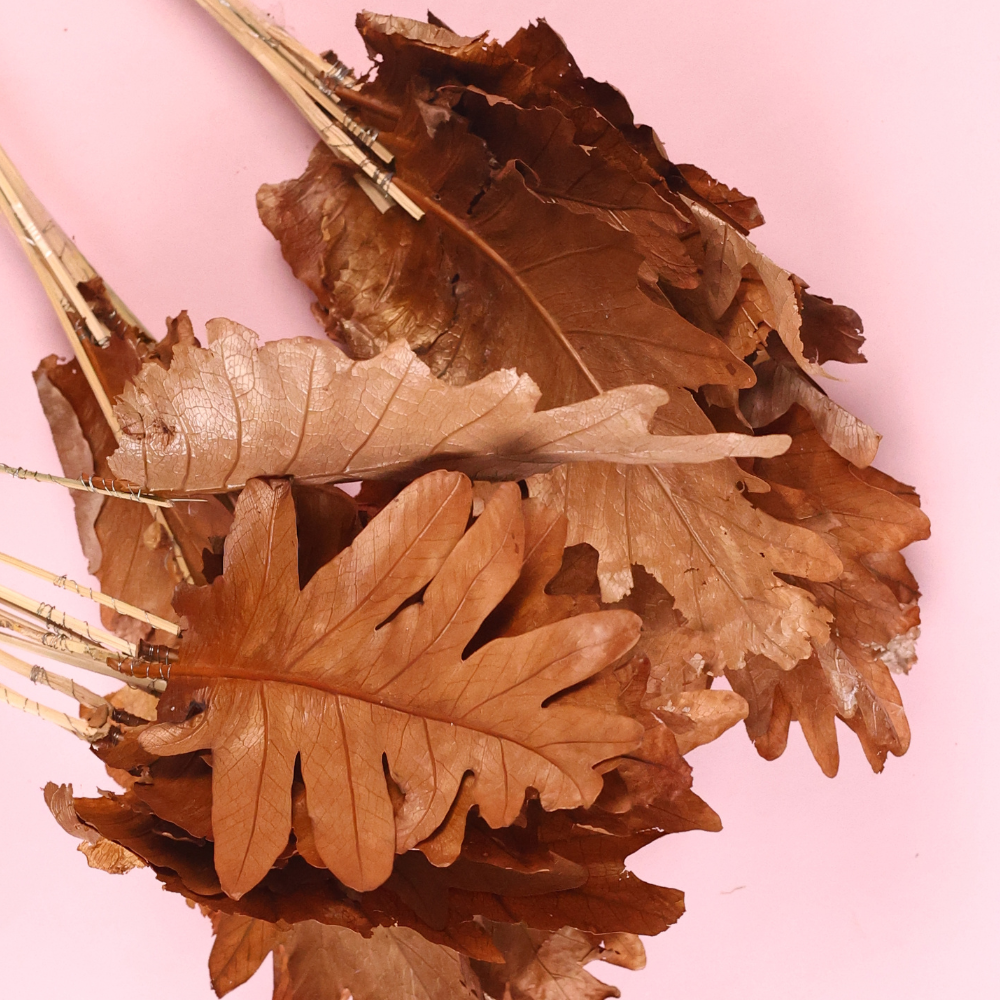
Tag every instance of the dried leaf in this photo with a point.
(542, 965)
(703, 542)
(240, 947)
(514, 283)
(326, 674)
(727, 253)
(133, 558)
(328, 963)
(740, 208)
(387, 417)
(585, 181)
(107, 856)
(99, 851)
(779, 387)
(867, 517)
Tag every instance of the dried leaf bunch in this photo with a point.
(409, 738)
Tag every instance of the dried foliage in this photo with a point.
(409, 739)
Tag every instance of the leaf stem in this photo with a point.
(77, 727)
(121, 607)
(50, 613)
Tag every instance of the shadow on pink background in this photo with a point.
(868, 133)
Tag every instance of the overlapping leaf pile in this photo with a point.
(410, 738)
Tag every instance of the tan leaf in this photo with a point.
(703, 542)
(107, 856)
(240, 947)
(543, 965)
(206, 424)
(867, 517)
(727, 252)
(702, 716)
(332, 963)
(335, 674)
(778, 388)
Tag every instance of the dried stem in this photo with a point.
(67, 649)
(59, 271)
(64, 685)
(61, 620)
(109, 487)
(72, 725)
(121, 607)
(317, 103)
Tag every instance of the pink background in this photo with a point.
(868, 132)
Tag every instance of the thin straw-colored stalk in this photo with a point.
(122, 607)
(72, 725)
(82, 661)
(241, 19)
(113, 487)
(49, 636)
(64, 685)
(66, 284)
(12, 186)
(307, 97)
(50, 613)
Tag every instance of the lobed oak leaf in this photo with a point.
(343, 674)
(867, 517)
(712, 551)
(300, 408)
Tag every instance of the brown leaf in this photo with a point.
(387, 417)
(329, 963)
(829, 332)
(326, 674)
(585, 181)
(542, 965)
(240, 947)
(572, 314)
(740, 208)
(127, 549)
(779, 387)
(867, 517)
(703, 542)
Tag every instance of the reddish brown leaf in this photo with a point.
(347, 688)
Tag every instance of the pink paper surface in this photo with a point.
(868, 133)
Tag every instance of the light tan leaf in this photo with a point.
(779, 388)
(107, 856)
(727, 252)
(208, 423)
(347, 670)
(241, 945)
(543, 965)
(703, 542)
(320, 962)
(698, 717)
